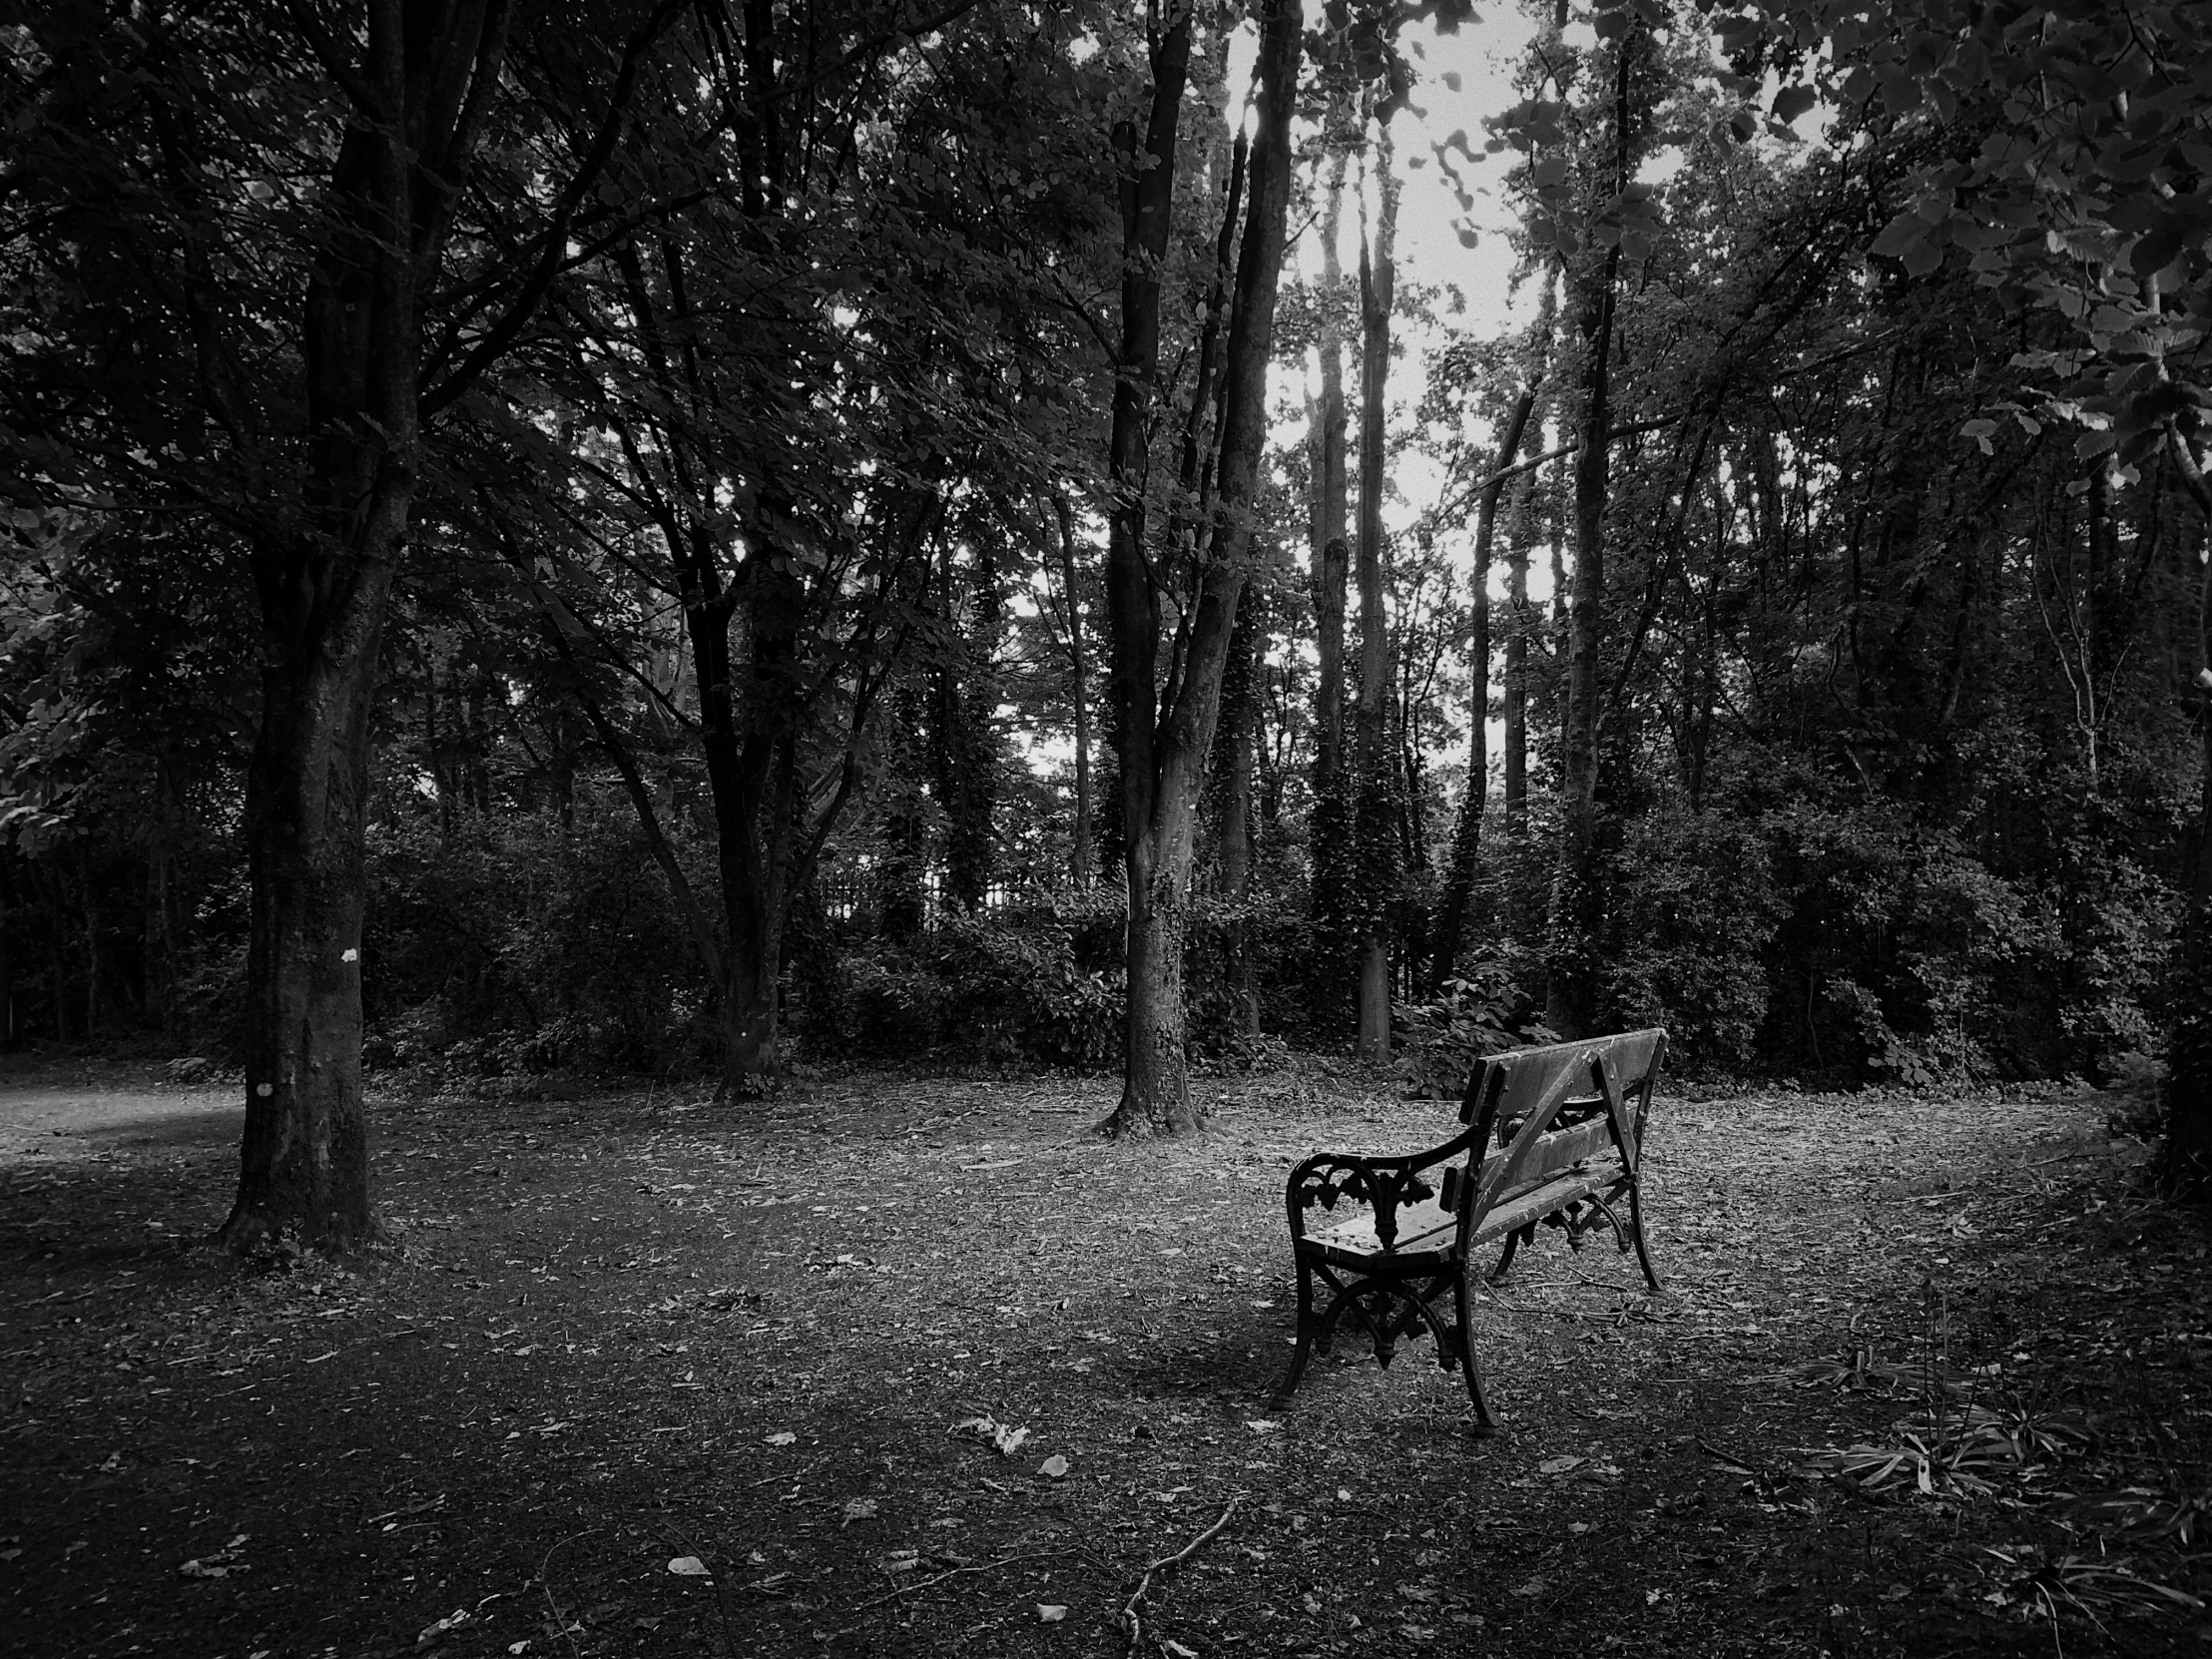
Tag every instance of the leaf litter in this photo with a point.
(680, 1332)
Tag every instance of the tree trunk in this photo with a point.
(1238, 707)
(1079, 691)
(1375, 832)
(2186, 1162)
(1467, 837)
(303, 1164)
(1332, 553)
(1520, 542)
(1574, 906)
(323, 584)
(1163, 755)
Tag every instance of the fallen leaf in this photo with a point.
(1534, 1587)
(858, 1509)
(1260, 1426)
(434, 1633)
(1179, 1650)
(689, 1566)
(782, 1438)
(1007, 1440)
(1050, 1612)
(1560, 1464)
(200, 1570)
(1054, 1468)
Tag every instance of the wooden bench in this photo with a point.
(1551, 1135)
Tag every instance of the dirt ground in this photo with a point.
(642, 1376)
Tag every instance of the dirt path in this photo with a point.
(611, 1337)
(59, 1122)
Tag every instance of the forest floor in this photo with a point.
(642, 1376)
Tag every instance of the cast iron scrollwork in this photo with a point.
(1383, 1188)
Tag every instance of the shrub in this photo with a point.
(1491, 1008)
(1695, 913)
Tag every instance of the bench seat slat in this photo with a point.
(1423, 1227)
(1540, 1202)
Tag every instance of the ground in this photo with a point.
(637, 1375)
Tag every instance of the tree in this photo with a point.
(250, 258)
(1164, 728)
(1375, 825)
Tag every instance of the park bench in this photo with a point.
(1551, 1135)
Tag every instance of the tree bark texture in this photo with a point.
(1376, 825)
(1239, 716)
(1574, 899)
(1467, 835)
(1332, 552)
(1165, 734)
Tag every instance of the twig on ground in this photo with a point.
(954, 1572)
(1130, 1622)
(561, 1621)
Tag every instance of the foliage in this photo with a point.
(527, 945)
(1003, 995)
(1691, 923)
(1489, 1008)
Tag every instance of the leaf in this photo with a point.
(1450, 78)
(436, 1633)
(1560, 1464)
(1054, 1468)
(1262, 1426)
(1050, 1612)
(781, 1436)
(858, 1509)
(1534, 1587)
(689, 1566)
(1792, 101)
(1902, 234)
(1006, 1440)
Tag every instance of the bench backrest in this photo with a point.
(1521, 1092)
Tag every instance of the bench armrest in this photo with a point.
(1385, 1185)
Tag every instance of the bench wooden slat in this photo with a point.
(1533, 1206)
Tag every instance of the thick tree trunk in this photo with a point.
(322, 589)
(303, 1164)
(1376, 825)
(1574, 901)
(1163, 756)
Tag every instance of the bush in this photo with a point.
(1695, 913)
(1006, 993)
(1493, 1009)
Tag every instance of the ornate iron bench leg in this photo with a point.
(1513, 1241)
(1636, 1231)
(1306, 1324)
(1485, 1425)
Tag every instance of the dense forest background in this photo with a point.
(753, 612)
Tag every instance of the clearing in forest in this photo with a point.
(911, 1364)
